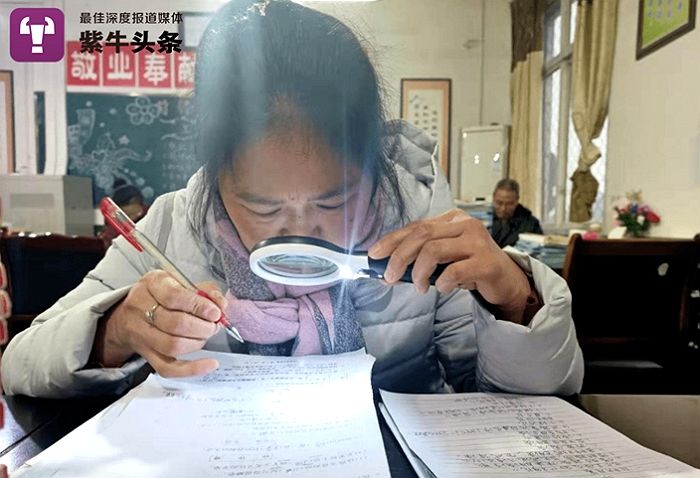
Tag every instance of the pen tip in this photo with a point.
(234, 333)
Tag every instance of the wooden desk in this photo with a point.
(32, 425)
(636, 307)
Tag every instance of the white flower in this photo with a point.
(622, 203)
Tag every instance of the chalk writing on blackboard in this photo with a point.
(145, 140)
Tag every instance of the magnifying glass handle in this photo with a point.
(379, 266)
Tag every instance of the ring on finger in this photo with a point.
(151, 315)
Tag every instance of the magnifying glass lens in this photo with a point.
(297, 265)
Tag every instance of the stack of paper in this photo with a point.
(510, 436)
(544, 239)
(549, 249)
(255, 416)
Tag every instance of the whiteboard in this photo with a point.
(483, 157)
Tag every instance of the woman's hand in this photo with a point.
(181, 322)
(477, 261)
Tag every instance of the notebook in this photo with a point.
(480, 435)
(304, 417)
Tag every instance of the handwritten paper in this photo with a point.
(511, 436)
(255, 416)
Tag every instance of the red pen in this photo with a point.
(126, 227)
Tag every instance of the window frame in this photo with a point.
(562, 62)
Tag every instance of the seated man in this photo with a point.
(510, 218)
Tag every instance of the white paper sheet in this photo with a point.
(255, 416)
(480, 435)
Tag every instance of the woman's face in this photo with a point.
(291, 184)
(134, 209)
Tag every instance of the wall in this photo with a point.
(28, 78)
(440, 39)
(654, 135)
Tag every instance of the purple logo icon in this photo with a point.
(36, 34)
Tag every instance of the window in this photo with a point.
(560, 146)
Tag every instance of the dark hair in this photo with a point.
(123, 193)
(509, 185)
(269, 64)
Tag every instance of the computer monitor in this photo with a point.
(47, 203)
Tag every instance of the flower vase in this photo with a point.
(636, 233)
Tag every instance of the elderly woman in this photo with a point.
(293, 141)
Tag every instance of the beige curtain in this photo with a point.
(526, 98)
(594, 47)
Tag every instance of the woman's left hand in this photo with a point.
(477, 261)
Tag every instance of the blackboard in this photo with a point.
(145, 140)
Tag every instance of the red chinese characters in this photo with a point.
(143, 70)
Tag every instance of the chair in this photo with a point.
(636, 306)
(42, 268)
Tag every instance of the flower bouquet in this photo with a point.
(634, 215)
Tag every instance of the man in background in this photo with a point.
(510, 218)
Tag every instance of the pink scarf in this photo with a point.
(275, 319)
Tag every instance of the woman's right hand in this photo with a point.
(182, 322)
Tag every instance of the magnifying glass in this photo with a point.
(307, 261)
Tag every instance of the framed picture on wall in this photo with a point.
(7, 121)
(427, 104)
(661, 22)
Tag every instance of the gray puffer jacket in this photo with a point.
(423, 343)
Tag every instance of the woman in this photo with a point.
(129, 198)
(293, 142)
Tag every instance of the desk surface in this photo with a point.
(32, 425)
